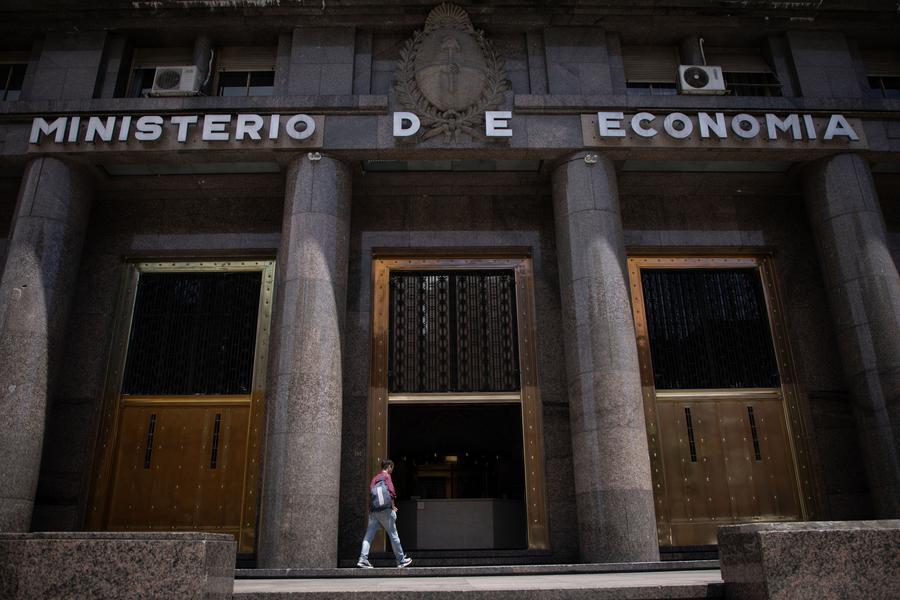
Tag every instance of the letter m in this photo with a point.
(40, 125)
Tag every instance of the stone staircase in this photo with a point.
(631, 581)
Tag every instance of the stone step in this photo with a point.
(422, 568)
(635, 585)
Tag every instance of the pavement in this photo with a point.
(686, 584)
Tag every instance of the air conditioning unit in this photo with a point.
(700, 79)
(175, 81)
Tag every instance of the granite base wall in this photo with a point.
(116, 565)
(799, 561)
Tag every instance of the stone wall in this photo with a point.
(9, 189)
(426, 211)
(116, 565)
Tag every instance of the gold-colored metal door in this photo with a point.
(184, 462)
(720, 455)
(180, 466)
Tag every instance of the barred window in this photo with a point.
(453, 331)
(193, 333)
(245, 71)
(708, 329)
(745, 70)
(883, 72)
(12, 77)
(650, 70)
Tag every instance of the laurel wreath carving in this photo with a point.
(450, 122)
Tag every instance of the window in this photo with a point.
(453, 331)
(708, 328)
(883, 72)
(245, 71)
(650, 70)
(246, 83)
(193, 333)
(746, 72)
(144, 65)
(12, 76)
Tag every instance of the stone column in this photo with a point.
(299, 521)
(864, 295)
(35, 292)
(613, 490)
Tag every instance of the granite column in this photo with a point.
(864, 295)
(613, 488)
(299, 521)
(36, 289)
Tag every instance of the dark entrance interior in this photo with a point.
(459, 475)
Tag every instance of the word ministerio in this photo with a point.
(215, 127)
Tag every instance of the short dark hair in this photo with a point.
(386, 464)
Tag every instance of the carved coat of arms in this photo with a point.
(449, 74)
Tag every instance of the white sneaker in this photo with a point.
(405, 562)
(364, 563)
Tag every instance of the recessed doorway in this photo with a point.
(460, 475)
(454, 400)
(724, 432)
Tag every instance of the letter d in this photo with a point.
(401, 119)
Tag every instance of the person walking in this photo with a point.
(383, 512)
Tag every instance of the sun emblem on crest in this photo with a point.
(449, 74)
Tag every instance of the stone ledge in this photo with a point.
(477, 571)
(828, 559)
(116, 565)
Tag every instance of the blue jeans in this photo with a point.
(388, 520)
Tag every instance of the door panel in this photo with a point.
(719, 455)
(722, 481)
(180, 482)
(181, 433)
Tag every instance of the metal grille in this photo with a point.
(453, 332)
(193, 333)
(708, 329)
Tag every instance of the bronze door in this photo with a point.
(722, 425)
(180, 445)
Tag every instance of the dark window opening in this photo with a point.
(12, 77)
(708, 329)
(453, 331)
(141, 83)
(651, 88)
(752, 84)
(888, 87)
(246, 83)
(193, 333)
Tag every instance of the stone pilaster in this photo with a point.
(864, 295)
(35, 292)
(299, 521)
(614, 495)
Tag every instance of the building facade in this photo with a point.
(598, 276)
